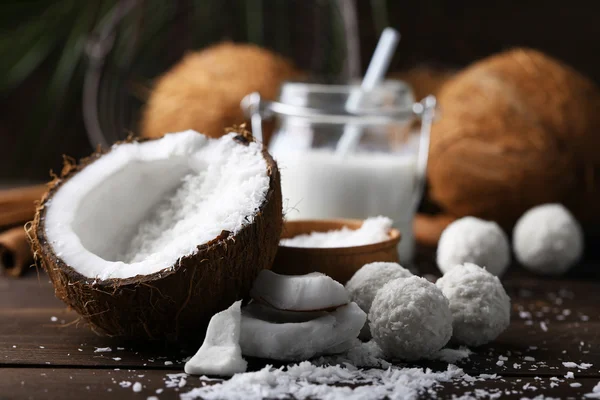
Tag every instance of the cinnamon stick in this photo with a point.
(429, 228)
(17, 205)
(15, 253)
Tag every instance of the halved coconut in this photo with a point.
(152, 238)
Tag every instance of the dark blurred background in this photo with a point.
(45, 48)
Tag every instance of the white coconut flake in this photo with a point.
(373, 230)
(220, 354)
(101, 350)
(360, 354)
(172, 380)
(125, 384)
(570, 364)
(310, 292)
(142, 206)
(452, 356)
(300, 340)
(305, 380)
(595, 393)
(137, 387)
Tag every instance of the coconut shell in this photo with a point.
(516, 130)
(203, 91)
(175, 304)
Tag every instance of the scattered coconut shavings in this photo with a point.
(168, 363)
(53, 319)
(125, 384)
(570, 375)
(373, 230)
(540, 397)
(172, 380)
(595, 393)
(117, 358)
(137, 387)
(575, 384)
(452, 356)
(361, 354)
(544, 326)
(101, 350)
(570, 364)
(305, 380)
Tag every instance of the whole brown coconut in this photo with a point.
(176, 303)
(516, 130)
(203, 91)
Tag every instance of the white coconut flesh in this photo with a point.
(220, 354)
(141, 207)
(310, 292)
(294, 341)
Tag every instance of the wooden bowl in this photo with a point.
(340, 263)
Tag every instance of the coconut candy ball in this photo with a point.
(473, 240)
(548, 239)
(410, 318)
(480, 307)
(365, 283)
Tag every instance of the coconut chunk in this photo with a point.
(220, 354)
(300, 340)
(141, 207)
(310, 292)
(271, 314)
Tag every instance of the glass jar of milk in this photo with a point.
(381, 172)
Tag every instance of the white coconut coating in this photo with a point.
(548, 240)
(473, 240)
(480, 307)
(365, 283)
(410, 319)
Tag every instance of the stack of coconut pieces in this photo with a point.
(290, 318)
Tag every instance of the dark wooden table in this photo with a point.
(45, 353)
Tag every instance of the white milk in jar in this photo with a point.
(381, 175)
(317, 184)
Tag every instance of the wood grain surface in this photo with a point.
(46, 352)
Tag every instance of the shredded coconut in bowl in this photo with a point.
(373, 230)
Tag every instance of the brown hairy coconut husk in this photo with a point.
(173, 304)
(517, 129)
(203, 91)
